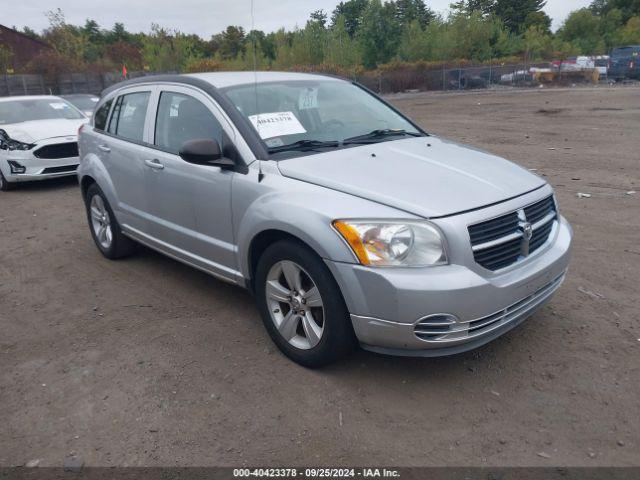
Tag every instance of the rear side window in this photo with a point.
(181, 118)
(129, 113)
(625, 51)
(100, 118)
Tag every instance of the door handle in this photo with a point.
(155, 164)
(104, 148)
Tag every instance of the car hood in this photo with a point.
(34, 131)
(426, 176)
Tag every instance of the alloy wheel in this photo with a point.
(295, 304)
(101, 222)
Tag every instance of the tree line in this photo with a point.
(357, 35)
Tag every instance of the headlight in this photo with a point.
(7, 143)
(393, 243)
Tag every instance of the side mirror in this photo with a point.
(205, 152)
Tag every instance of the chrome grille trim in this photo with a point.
(502, 241)
(470, 329)
(512, 236)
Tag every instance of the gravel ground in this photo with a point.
(147, 362)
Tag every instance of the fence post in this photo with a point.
(443, 78)
(459, 77)
(490, 71)
(24, 85)
(380, 83)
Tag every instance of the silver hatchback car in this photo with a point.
(347, 221)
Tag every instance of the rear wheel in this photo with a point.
(4, 185)
(301, 305)
(104, 227)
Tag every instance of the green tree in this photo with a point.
(352, 11)
(537, 43)
(465, 7)
(539, 20)
(515, 12)
(630, 33)
(379, 34)
(166, 51)
(232, 43)
(66, 39)
(29, 32)
(408, 11)
(342, 50)
(628, 8)
(582, 30)
(118, 34)
(95, 40)
(611, 28)
(413, 44)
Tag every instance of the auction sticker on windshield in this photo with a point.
(308, 99)
(58, 105)
(277, 124)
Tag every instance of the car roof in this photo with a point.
(79, 95)
(28, 97)
(230, 79)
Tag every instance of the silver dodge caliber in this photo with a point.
(347, 221)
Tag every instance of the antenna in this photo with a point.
(255, 83)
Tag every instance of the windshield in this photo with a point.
(301, 112)
(87, 103)
(17, 111)
(625, 51)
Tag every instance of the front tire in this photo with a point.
(104, 227)
(4, 185)
(301, 305)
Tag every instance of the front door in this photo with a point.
(190, 205)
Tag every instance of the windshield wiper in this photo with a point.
(372, 137)
(304, 145)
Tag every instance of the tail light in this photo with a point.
(80, 129)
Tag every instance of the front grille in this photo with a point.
(58, 150)
(502, 241)
(434, 329)
(537, 211)
(63, 169)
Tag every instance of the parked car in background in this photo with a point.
(602, 65)
(84, 102)
(574, 64)
(38, 139)
(344, 218)
(624, 62)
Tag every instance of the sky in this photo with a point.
(203, 17)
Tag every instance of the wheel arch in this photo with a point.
(85, 183)
(263, 240)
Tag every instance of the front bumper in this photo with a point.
(387, 305)
(39, 169)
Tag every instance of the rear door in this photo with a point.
(122, 150)
(190, 205)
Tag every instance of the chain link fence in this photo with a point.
(402, 79)
(66, 84)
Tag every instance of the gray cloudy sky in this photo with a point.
(204, 17)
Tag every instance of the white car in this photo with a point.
(38, 139)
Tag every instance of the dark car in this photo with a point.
(624, 62)
(83, 101)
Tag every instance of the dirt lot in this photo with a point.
(148, 362)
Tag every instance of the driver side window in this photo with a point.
(182, 118)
